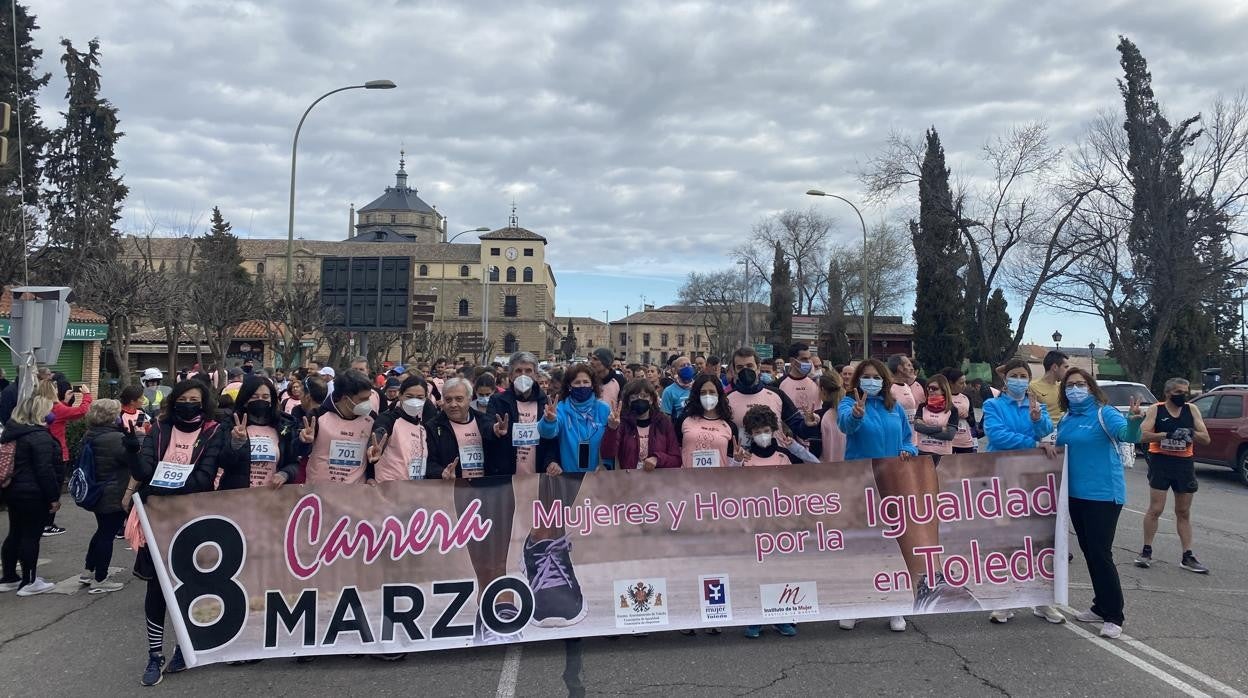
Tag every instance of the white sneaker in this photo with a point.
(897, 624)
(39, 586)
(104, 587)
(1049, 613)
(1111, 630)
(9, 586)
(86, 577)
(1088, 617)
(1001, 616)
(847, 623)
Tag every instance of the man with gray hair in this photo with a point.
(1170, 429)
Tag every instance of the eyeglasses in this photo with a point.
(933, 388)
(1080, 384)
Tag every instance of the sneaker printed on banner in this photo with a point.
(557, 598)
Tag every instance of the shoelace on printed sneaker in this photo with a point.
(550, 570)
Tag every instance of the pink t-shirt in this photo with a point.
(610, 392)
(526, 456)
(181, 445)
(929, 443)
(833, 438)
(905, 397)
(777, 458)
(741, 403)
(471, 453)
(804, 392)
(963, 438)
(406, 454)
(340, 449)
(705, 443)
(265, 454)
(643, 443)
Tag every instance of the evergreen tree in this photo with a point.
(219, 253)
(939, 338)
(835, 350)
(996, 335)
(86, 193)
(223, 294)
(20, 203)
(781, 314)
(569, 343)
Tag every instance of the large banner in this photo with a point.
(412, 566)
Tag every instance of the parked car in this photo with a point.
(1225, 417)
(1229, 386)
(1119, 394)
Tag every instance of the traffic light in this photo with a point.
(6, 112)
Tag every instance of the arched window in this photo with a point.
(494, 274)
(463, 270)
(511, 275)
(463, 307)
(510, 345)
(300, 272)
(424, 270)
(259, 268)
(528, 275)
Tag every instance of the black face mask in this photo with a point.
(1177, 400)
(188, 412)
(639, 406)
(746, 377)
(258, 412)
(247, 369)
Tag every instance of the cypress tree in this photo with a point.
(836, 345)
(781, 314)
(939, 338)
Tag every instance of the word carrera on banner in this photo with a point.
(426, 565)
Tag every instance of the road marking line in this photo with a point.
(510, 673)
(1108, 646)
(1169, 590)
(1176, 664)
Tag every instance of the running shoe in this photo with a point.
(1111, 630)
(1145, 558)
(941, 597)
(557, 598)
(104, 587)
(39, 586)
(49, 531)
(86, 577)
(177, 664)
(1001, 616)
(897, 624)
(1191, 564)
(484, 636)
(847, 623)
(753, 632)
(152, 674)
(786, 629)
(1088, 617)
(12, 585)
(1048, 613)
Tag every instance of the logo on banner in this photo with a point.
(715, 603)
(641, 602)
(789, 600)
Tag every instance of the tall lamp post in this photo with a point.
(1092, 357)
(1057, 340)
(745, 303)
(628, 344)
(482, 229)
(294, 151)
(441, 301)
(606, 315)
(485, 313)
(866, 309)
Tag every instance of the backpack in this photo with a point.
(84, 487)
(8, 456)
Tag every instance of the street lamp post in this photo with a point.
(294, 151)
(628, 345)
(485, 313)
(1092, 357)
(866, 309)
(482, 229)
(606, 315)
(1057, 340)
(441, 302)
(745, 303)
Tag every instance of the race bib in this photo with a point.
(1173, 445)
(263, 450)
(472, 461)
(524, 434)
(1051, 439)
(706, 458)
(170, 475)
(345, 453)
(416, 468)
(928, 440)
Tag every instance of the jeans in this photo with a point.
(1095, 523)
(100, 549)
(26, 522)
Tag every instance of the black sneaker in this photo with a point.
(177, 664)
(557, 598)
(152, 675)
(484, 636)
(49, 531)
(941, 597)
(1145, 558)
(120, 535)
(1191, 564)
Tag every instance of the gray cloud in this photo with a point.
(659, 131)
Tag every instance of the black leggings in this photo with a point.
(154, 610)
(26, 522)
(100, 549)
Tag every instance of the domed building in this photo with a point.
(398, 215)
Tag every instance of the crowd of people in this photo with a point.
(478, 425)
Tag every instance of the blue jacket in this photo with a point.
(880, 433)
(1008, 424)
(573, 427)
(1094, 470)
(673, 400)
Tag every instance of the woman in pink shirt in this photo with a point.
(832, 439)
(964, 439)
(707, 437)
(936, 420)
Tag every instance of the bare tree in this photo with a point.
(889, 267)
(220, 304)
(123, 298)
(803, 238)
(379, 345)
(290, 317)
(715, 301)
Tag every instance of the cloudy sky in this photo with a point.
(642, 138)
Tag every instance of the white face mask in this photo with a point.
(763, 440)
(522, 384)
(413, 406)
(360, 409)
(709, 401)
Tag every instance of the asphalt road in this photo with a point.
(1187, 637)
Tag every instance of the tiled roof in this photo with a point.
(677, 315)
(562, 321)
(510, 233)
(76, 313)
(396, 199)
(268, 248)
(249, 329)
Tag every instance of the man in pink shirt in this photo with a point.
(797, 383)
(906, 390)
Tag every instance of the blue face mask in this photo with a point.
(1016, 387)
(581, 394)
(804, 367)
(871, 386)
(686, 373)
(764, 378)
(1078, 397)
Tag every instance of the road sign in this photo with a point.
(764, 350)
(366, 293)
